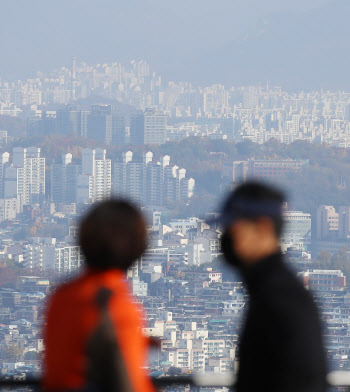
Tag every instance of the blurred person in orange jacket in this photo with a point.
(93, 333)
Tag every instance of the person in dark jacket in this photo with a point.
(280, 345)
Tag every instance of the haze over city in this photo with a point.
(172, 106)
(299, 44)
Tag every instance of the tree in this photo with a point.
(324, 258)
(174, 370)
(8, 277)
(32, 355)
(20, 235)
(13, 352)
(340, 260)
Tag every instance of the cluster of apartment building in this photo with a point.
(22, 181)
(94, 178)
(256, 113)
(107, 124)
(144, 180)
(190, 242)
(151, 183)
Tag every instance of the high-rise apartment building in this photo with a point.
(295, 123)
(271, 121)
(99, 126)
(151, 183)
(332, 224)
(94, 183)
(4, 162)
(148, 127)
(119, 133)
(137, 129)
(87, 182)
(129, 176)
(297, 230)
(327, 222)
(106, 126)
(25, 176)
(250, 98)
(71, 120)
(9, 208)
(64, 178)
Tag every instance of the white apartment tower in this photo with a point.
(64, 178)
(87, 182)
(147, 182)
(5, 158)
(26, 176)
(95, 181)
(47, 254)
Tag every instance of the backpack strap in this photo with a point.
(106, 370)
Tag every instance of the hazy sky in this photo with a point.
(43, 34)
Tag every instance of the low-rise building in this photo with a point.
(324, 280)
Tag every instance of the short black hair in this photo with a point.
(112, 235)
(260, 193)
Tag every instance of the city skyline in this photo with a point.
(84, 98)
(171, 106)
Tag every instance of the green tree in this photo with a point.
(340, 260)
(32, 355)
(13, 352)
(324, 258)
(174, 370)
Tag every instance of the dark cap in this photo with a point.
(250, 200)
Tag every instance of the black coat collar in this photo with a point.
(257, 274)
